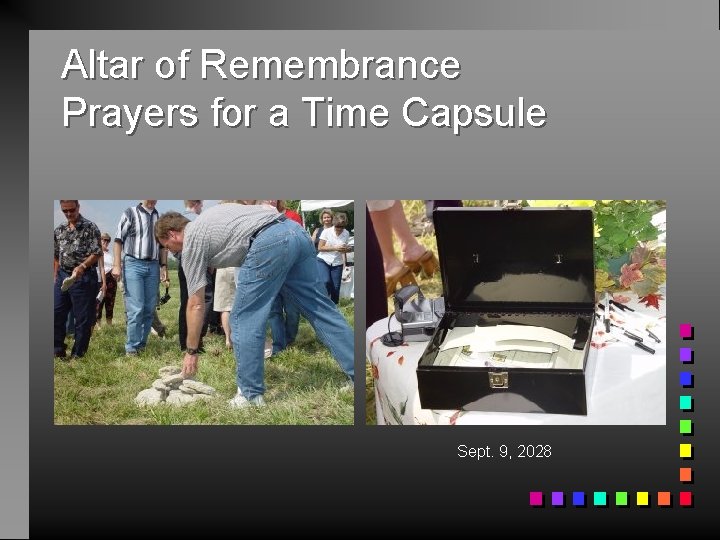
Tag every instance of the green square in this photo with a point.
(686, 427)
(685, 403)
(621, 498)
(599, 498)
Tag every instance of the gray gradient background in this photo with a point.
(632, 115)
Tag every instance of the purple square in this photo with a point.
(536, 498)
(686, 379)
(686, 355)
(558, 498)
(686, 331)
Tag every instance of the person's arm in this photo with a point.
(117, 254)
(195, 314)
(163, 266)
(56, 265)
(101, 269)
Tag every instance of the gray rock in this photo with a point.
(178, 398)
(150, 396)
(186, 389)
(202, 397)
(159, 385)
(173, 381)
(200, 388)
(169, 370)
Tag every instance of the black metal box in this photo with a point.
(519, 289)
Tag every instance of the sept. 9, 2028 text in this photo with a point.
(505, 451)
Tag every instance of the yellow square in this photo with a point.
(685, 450)
(643, 498)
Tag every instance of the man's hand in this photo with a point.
(164, 274)
(190, 364)
(116, 271)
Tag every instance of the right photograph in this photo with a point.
(500, 312)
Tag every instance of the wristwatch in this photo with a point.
(192, 351)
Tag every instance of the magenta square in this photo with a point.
(686, 355)
(536, 498)
(686, 331)
(558, 498)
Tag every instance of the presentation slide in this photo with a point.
(236, 364)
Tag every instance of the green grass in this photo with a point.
(431, 287)
(303, 383)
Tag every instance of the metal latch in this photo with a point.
(498, 379)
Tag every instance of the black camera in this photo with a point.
(164, 299)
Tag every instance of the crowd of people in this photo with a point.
(243, 265)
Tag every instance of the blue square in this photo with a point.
(578, 498)
(686, 379)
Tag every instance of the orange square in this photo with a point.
(686, 474)
(664, 499)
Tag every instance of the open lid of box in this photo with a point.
(516, 259)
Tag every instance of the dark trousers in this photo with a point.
(376, 298)
(331, 276)
(80, 299)
(108, 301)
(182, 315)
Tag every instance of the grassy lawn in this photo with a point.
(303, 383)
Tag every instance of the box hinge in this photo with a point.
(498, 379)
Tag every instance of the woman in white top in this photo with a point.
(331, 255)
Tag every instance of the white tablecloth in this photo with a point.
(628, 386)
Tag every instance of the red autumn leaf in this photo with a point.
(629, 274)
(390, 354)
(401, 360)
(652, 300)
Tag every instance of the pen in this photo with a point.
(606, 316)
(644, 347)
(632, 336)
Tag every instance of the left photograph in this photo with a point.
(214, 312)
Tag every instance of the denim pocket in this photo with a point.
(266, 255)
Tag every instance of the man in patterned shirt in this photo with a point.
(77, 250)
(274, 255)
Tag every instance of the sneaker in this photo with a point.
(131, 353)
(241, 402)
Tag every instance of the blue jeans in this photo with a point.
(284, 323)
(141, 280)
(331, 276)
(80, 300)
(281, 260)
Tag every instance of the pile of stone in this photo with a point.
(172, 388)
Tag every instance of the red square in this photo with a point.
(686, 474)
(686, 498)
(664, 498)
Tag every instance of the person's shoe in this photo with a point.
(131, 353)
(61, 355)
(403, 276)
(241, 402)
(428, 263)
